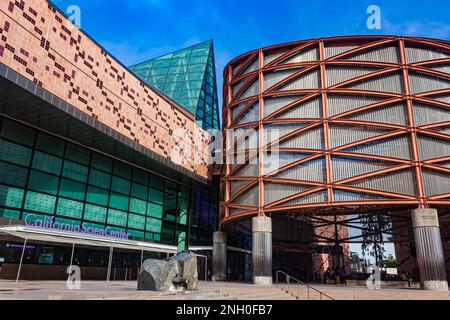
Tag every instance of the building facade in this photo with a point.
(335, 128)
(87, 150)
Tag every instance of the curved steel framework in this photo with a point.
(365, 121)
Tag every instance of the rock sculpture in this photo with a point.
(178, 273)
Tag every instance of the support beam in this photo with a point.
(262, 250)
(219, 256)
(21, 260)
(430, 255)
(108, 277)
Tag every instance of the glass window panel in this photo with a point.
(139, 191)
(180, 62)
(69, 208)
(122, 170)
(157, 75)
(157, 182)
(203, 52)
(198, 60)
(175, 78)
(169, 214)
(118, 201)
(9, 214)
(97, 196)
(194, 76)
(75, 171)
(101, 162)
(135, 233)
(161, 63)
(193, 85)
(196, 68)
(77, 153)
(99, 179)
(174, 86)
(154, 210)
(11, 197)
(153, 225)
(95, 213)
(50, 144)
(140, 176)
(14, 153)
(72, 189)
(188, 93)
(47, 163)
(12, 174)
(43, 182)
(40, 202)
(181, 245)
(177, 69)
(138, 206)
(120, 185)
(136, 222)
(185, 53)
(116, 217)
(17, 132)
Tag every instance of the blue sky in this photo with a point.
(138, 30)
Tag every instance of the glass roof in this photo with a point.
(188, 77)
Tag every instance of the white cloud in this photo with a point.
(417, 28)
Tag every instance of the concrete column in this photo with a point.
(219, 259)
(430, 256)
(262, 250)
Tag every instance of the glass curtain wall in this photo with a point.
(46, 175)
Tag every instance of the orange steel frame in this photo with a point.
(420, 200)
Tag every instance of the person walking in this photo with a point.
(343, 276)
(337, 275)
(410, 279)
(229, 273)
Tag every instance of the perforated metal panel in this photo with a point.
(344, 103)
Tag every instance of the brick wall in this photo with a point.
(38, 42)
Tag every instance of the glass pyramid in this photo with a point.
(188, 77)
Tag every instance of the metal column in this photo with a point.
(21, 259)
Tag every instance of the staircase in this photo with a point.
(298, 289)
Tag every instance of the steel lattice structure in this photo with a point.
(365, 121)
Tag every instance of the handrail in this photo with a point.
(300, 283)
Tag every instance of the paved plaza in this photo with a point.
(100, 290)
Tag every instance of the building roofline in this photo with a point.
(331, 38)
(178, 50)
(158, 92)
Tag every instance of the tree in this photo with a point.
(372, 235)
(390, 262)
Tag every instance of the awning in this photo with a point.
(56, 236)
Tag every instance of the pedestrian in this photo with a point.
(343, 276)
(327, 275)
(336, 275)
(410, 279)
(229, 273)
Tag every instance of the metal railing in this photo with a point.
(299, 285)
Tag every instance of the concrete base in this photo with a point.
(263, 281)
(219, 277)
(219, 259)
(435, 285)
(430, 254)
